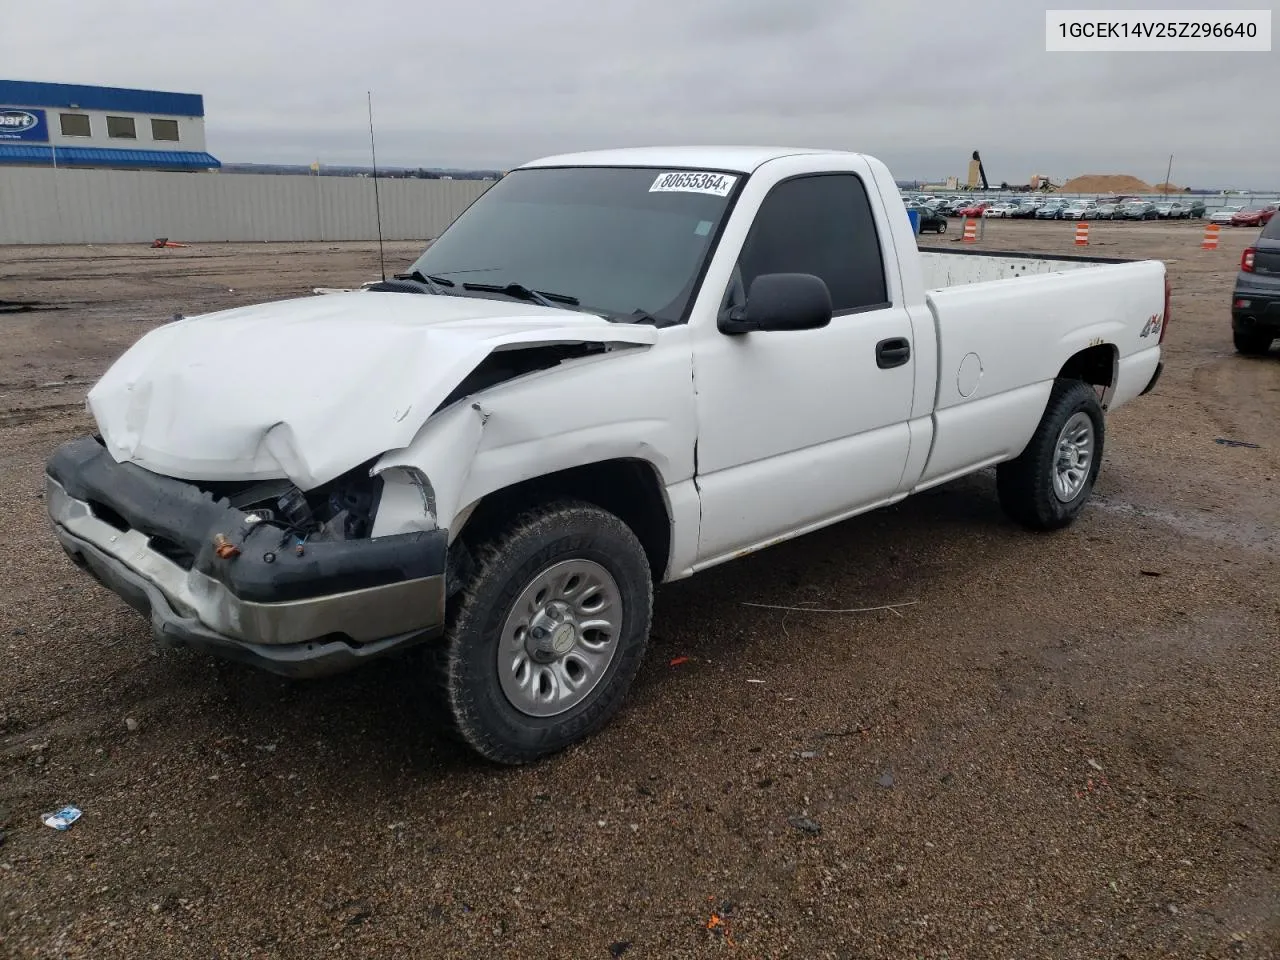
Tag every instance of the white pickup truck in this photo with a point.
(613, 369)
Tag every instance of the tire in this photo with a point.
(477, 705)
(942, 226)
(1252, 343)
(1026, 485)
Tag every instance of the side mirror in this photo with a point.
(781, 301)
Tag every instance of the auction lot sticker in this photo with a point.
(716, 184)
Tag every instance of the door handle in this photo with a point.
(893, 352)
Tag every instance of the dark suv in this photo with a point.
(931, 218)
(1255, 303)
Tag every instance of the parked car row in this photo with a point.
(1237, 215)
(1056, 208)
(1059, 208)
(1256, 217)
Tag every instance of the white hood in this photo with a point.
(308, 388)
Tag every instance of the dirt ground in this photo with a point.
(1066, 747)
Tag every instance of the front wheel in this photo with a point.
(547, 635)
(1048, 484)
(942, 226)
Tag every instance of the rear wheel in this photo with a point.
(548, 634)
(1251, 342)
(1048, 484)
(942, 226)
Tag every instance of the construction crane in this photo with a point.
(981, 172)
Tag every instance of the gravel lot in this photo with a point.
(1067, 747)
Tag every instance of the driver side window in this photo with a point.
(820, 224)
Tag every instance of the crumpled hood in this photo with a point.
(308, 388)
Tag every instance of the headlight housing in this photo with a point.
(407, 503)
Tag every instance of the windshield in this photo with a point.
(624, 241)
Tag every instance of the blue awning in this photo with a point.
(81, 97)
(28, 154)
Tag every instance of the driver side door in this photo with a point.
(797, 429)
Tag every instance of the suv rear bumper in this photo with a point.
(322, 609)
(1263, 312)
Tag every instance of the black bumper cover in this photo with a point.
(268, 569)
(1263, 312)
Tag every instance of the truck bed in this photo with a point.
(942, 268)
(1001, 343)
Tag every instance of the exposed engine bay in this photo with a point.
(342, 509)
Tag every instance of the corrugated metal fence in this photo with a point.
(123, 206)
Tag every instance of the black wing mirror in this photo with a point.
(781, 301)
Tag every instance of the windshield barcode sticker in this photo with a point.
(716, 184)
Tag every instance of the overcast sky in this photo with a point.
(918, 83)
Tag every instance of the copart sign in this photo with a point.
(22, 123)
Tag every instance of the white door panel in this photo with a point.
(800, 427)
(767, 392)
(806, 425)
(747, 505)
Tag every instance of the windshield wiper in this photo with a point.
(541, 297)
(431, 283)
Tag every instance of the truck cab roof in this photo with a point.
(737, 159)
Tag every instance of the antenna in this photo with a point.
(377, 206)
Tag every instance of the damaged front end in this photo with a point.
(301, 583)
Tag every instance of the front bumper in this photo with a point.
(321, 610)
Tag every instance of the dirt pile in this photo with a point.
(1106, 183)
(1168, 188)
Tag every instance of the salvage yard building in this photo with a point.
(70, 125)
